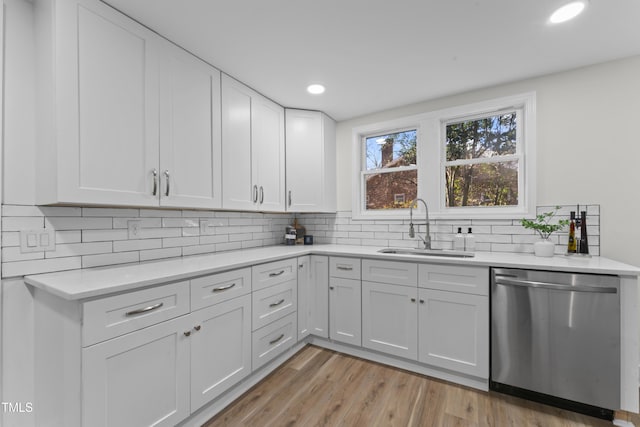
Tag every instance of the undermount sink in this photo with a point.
(427, 252)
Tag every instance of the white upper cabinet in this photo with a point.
(253, 169)
(190, 139)
(311, 160)
(111, 123)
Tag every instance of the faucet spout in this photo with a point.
(427, 239)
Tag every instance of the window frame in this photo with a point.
(360, 134)
(431, 159)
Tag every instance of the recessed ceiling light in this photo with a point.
(567, 12)
(315, 89)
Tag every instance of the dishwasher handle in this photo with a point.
(501, 280)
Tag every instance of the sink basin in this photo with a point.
(427, 252)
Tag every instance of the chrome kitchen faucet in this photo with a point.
(427, 239)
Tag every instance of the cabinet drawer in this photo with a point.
(273, 340)
(270, 274)
(454, 278)
(110, 317)
(209, 290)
(273, 303)
(392, 272)
(346, 268)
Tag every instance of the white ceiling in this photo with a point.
(374, 55)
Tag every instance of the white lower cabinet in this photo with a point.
(220, 348)
(454, 331)
(273, 339)
(345, 322)
(390, 319)
(141, 378)
(275, 303)
(313, 296)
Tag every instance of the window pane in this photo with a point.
(391, 150)
(393, 190)
(487, 137)
(484, 184)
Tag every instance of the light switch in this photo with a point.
(40, 240)
(32, 240)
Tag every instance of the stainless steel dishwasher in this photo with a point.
(555, 338)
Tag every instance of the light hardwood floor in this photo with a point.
(319, 387)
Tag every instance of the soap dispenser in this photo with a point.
(458, 240)
(470, 241)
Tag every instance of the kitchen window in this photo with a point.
(472, 161)
(390, 171)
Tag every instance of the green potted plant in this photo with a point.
(543, 226)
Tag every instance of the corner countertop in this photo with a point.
(96, 282)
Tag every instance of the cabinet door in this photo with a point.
(220, 348)
(305, 165)
(267, 150)
(454, 331)
(345, 311)
(238, 188)
(141, 378)
(304, 296)
(319, 296)
(190, 147)
(390, 319)
(106, 107)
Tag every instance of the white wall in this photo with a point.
(588, 146)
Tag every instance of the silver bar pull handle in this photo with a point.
(261, 194)
(279, 273)
(144, 310)
(155, 182)
(289, 197)
(345, 268)
(275, 304)
(276, 340)
(223, 288)
(168, 179)
(255, 194)
(501, 280)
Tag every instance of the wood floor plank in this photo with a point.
(319, 387)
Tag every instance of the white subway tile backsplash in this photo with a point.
(109, 259)
(19, 210)
(10, 238)
(228, 246)
(109, 212)
(91, 237)
(200, 249)
(180, 222)
(74, 249)
(154, 233)
(219, 238)
(136, 245)
(13, 253)
(104, 235)
(12, 223)
(160, 213)
(22, 268)
(170, 242)
(70, 236)
(78, 223)
(120, 222)
(152, 254)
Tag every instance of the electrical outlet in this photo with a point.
(204, 226)
(133, 228)
(40, 240)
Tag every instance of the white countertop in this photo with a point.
(95, 282)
